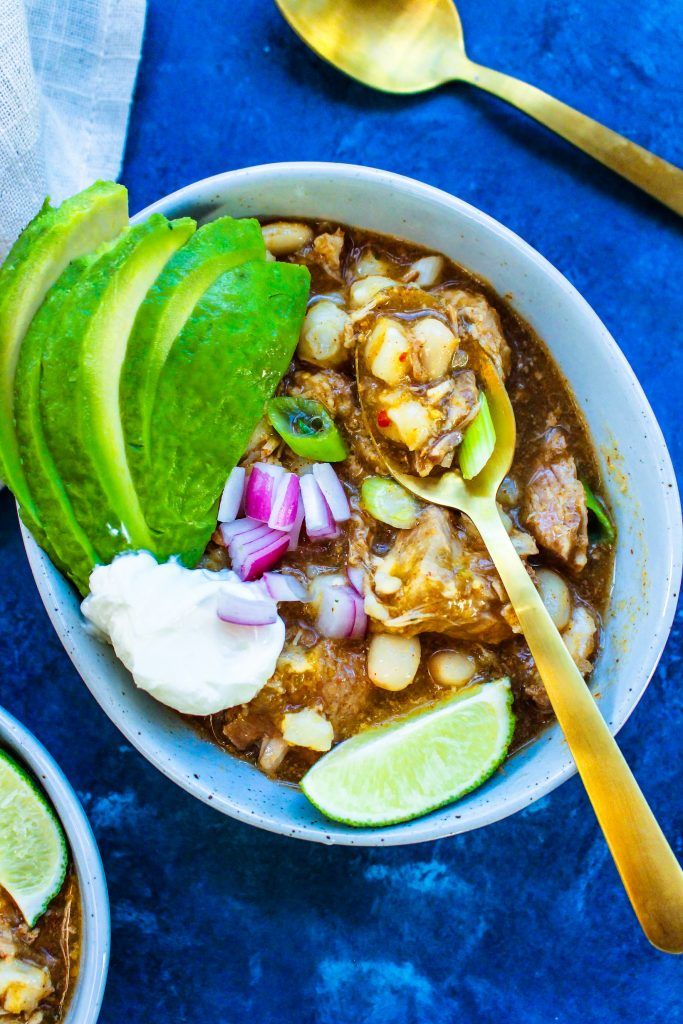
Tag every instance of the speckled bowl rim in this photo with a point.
(201, 199)
(86, 1000)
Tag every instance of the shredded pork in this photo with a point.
(476, 320)
(555, 503)
(448, 584)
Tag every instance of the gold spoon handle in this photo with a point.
(644, 859)
(655, 176)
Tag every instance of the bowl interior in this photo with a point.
(635, 464)
(86, 999)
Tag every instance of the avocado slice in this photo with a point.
(54, 238)
(213, 249)
(223, 367)
(79, 393)
(58, 531)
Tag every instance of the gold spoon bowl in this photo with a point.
(649, 870)
(409, 46)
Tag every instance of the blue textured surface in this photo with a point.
(525, 920)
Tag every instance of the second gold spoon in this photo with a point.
(649, 870)
(407, 46)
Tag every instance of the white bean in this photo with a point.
(363, 291)
(451, 668)
(386, 351)
(283, 237)
(323, 334)
(368, 264)
(435, 345)
(555, 596)
(412, 422)
(425, 272)
(393, 661)
(579, 638)
(307, 728)
(272, 753)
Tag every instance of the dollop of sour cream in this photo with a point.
(162, 622)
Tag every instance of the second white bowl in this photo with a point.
(85, 1002)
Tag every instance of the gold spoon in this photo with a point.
(649, 870)
(408, 46)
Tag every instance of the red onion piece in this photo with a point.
(340, 610)
(238, 528)
(336, 611)
(285, 503)
(360, 622)
(234, 608)
(333, 492)
(283, 587)
(231, 499)
(356, 577)
(259, 493)
(247, 542)
(320, 524)
(251, 561)
(295, 532)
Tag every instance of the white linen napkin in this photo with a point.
(67, 71)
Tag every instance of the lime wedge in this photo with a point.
(33, 850)
(415, 763)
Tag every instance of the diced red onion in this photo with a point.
(333, 492)
(360, 623)
(283, 587)
(259, 493)
(320, 524)
(236, 529)
(356, 577)
(285, 503)
(247, 542)
(234, 608)
(252, 560)
(336, 612)
(295, 532)
(231, 499)
(242, 546)
(340, 611)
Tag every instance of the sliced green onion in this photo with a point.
(478, 442)
(605, 532)
(388, 502)
(307, 427)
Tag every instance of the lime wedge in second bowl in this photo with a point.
(33, 851)
(416, 763)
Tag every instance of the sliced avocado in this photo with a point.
(79, 391)
(58, 532)
(54, 238)
(223, 367)
(215, 248)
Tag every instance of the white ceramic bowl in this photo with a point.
(636, 466)
(84, 1007)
